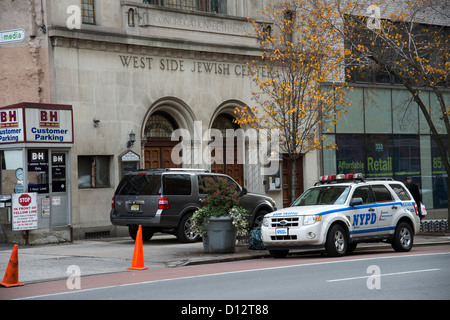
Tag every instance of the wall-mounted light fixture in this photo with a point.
(96, 122)
(132, 139)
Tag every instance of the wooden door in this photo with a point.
(158, 155)
(152, 157)
(230, 166)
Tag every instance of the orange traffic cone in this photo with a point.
(11, 278)
(138, 256)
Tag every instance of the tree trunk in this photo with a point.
(294, 180)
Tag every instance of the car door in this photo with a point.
(364, 215)
(387, 208)
(177, 189)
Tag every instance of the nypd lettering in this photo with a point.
(364, 219)
(277, 214)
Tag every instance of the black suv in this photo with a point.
(163, 200)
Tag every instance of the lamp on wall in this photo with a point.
(132, 139)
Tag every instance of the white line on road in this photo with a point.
(235, 272)
(384, 275)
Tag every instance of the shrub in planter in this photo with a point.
(221, 201)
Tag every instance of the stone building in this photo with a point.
(134, 71)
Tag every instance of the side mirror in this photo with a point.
(243, 192)
(356, 202)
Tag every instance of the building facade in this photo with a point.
(135, 71)
(384, 134)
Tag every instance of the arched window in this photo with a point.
(160, 126)
(224, 122)
(131, 18)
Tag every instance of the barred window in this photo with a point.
(182, 4)
(87, 11)
(213, 6)
(160, 125)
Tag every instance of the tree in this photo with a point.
(409, 40)
(298, 79)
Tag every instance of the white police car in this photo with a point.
(339, 212)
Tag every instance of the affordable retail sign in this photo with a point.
(24, 211)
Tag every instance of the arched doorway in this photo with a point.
(158, 148)
(230, 165)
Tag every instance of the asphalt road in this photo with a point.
(423, 274)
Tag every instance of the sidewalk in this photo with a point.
(110, 255)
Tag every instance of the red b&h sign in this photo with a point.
(8, 119)
(49, 118)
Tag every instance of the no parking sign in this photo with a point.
(24, 211)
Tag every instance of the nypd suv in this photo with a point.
(339, 212)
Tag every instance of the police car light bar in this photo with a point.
(341, 177)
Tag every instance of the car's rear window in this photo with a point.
(382, 193)
(140, 185)
(177, 185)
(400, 191)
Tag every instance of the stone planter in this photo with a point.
(220, 235)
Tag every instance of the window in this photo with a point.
(182, 4)
(423, 38)
(223, 122)
(363, 193)
(160, 125)
(394, 156)
(382, 194)
(87, 11)
(140, 185)
(323, 196)
(93, 171)
(400, 191)
(11, 171)
(213, 6)
(202, 181)
(177, 185)
(230, 182)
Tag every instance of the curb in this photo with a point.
(364, 247)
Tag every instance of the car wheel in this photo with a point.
(336, 245)
(147, 233)
(257, 223)
(185, 233)
(278, 253)
(403, 237)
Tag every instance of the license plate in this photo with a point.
(282, 231)
(134, 207)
